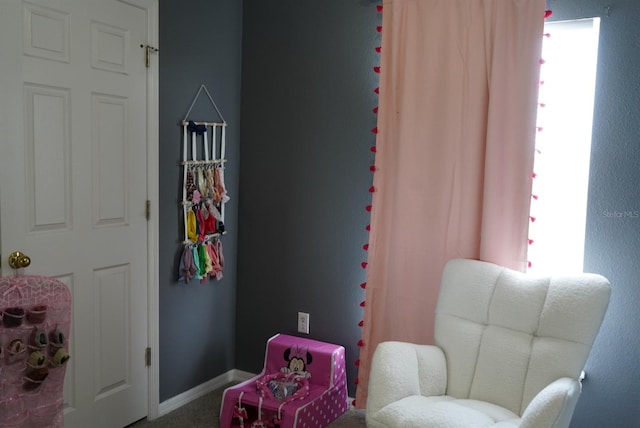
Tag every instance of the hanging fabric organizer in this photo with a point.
(203, 195)
(35, 314)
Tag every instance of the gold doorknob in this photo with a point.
(19, 260)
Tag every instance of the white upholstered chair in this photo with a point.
(509, 351)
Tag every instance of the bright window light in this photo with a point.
(563, 145)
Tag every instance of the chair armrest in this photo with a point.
(400, 369)
(553, 406)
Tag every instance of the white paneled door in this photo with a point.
(73, 185)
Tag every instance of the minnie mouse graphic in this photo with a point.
(297, 358)
(292, 381)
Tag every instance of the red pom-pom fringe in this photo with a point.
(357, 363)
(376, 69)
(530, 241)
(378, 49)
(542, 105)
(535, 197)
(379, 8)
(540, 128)
(368, 208)
(379, 28)
(363, 304)
(374, 130)
(361, 323)
(368, 228)
(373, 149)
(547, 35)
(548, 13)
(529, 264)
(353, 403)
(363, 285)
(364, 265)
(534, 175)
(532, 218)
(365, 247)
(372, 189)
(377, 90)
(360, 343)
(375, 110)
(356, 381)
(541, 61)
(372, 168)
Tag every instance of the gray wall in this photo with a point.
(301, 221)
(200, 44)
(306, 115)
(611, 392)
(307, 99)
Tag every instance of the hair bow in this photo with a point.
(198, 129)
(299, 352)
(241, 414)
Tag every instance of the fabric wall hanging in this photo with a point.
(35, 322)
(203, 196)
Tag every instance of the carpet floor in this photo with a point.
(203, 412)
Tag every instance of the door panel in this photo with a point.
(73, 185)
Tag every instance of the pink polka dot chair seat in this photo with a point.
(303, 384)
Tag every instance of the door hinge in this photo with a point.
(148, 50)
(147, 209)
(147, 357)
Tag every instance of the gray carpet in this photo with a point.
(204, 411)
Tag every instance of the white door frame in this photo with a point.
(153, 233)
(153, 229)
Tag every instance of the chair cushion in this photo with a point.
(444, 412)
(507, 335)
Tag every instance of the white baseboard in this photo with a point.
(180, 400)
(241, 376)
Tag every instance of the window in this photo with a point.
(563, 147)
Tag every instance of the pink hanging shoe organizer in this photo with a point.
(35, 319)
(303, 384)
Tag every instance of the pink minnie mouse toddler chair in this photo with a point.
(303, 384)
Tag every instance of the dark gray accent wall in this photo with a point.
(307, 100)
(611, 392)
(306, 119)
(200, 43)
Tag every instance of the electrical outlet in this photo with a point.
(303, 322)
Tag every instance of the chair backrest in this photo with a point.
(324, 362)
(507, 335)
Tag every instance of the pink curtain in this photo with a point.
(455, 149)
